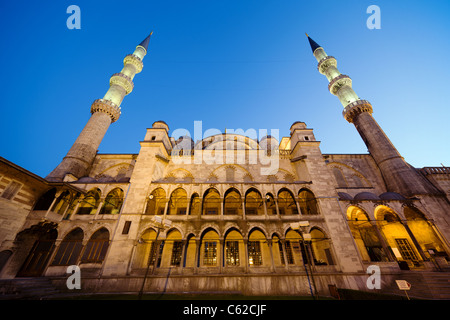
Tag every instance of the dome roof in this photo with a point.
(392, 196)
(344, 196)
(366, 196)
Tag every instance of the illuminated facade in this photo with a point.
(228, 213)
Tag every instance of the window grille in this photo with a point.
(177, 250)
(232, 253)
(210, 253)
(254, 253)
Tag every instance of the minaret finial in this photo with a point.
(145, 42)
(314, 45)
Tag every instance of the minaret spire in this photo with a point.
(312, 43)
(399, 176)
(146, 41)
(104, 111)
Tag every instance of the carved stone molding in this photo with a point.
(106, 106)
(355, 108)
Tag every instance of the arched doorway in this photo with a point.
(365, 235)
(424, 233)
(43, 237)
(397, 236)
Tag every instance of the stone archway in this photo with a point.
(38, 244)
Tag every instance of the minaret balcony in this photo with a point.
(339, 82)
(122, 80)
(108, 107)
(325, 63)
(135, 61)
(355, 108)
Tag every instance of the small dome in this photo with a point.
(344, 196)
(160, 124)
(366, 196)
(297, 125)
(392, 196)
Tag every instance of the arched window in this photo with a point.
(366, 237)
(232, 202)
(210, 248)
(397, 236)
(178, 202)
(173, 250)
(271, 205)
(307, 202)
(62, 203)
(321, 248)
(146, 250)
(234, 248)
(258, 250)
(96, 248)
(254, 204)
(90, 202)
(292, 248)
(113, 202)
(211, 202)
(70, 248)
(156, 203)
(286, 202)
(424, 232)
(341, 182)
(45, 200)
(195, 205)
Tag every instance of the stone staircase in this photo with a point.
(27, 289)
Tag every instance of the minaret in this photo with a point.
(399, 176)
(104, 111)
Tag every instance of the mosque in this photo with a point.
(229, 213)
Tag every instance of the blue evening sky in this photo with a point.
(230, 64)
